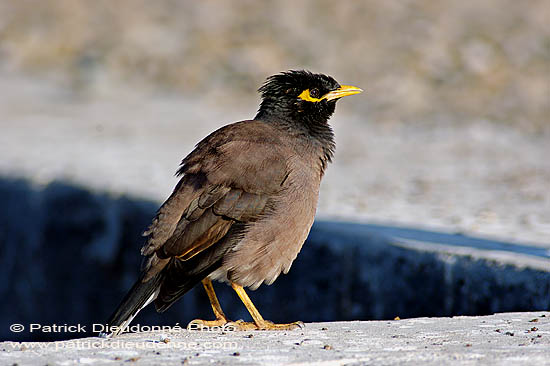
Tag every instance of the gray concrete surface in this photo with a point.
(501, 339)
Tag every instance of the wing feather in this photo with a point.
(228, 178)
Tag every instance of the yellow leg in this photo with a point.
(216, 308)
(221, 320)
(258, 319)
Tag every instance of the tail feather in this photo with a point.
(178, 281)
(172, 282)
(139, 296)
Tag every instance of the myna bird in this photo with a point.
(244, 204)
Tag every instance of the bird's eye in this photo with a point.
(314, 93)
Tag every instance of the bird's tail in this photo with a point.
(139, 296)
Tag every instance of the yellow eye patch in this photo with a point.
(307, 97)
(342, 91)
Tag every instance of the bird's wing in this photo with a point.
(229, 177)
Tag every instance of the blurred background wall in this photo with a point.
(417, 60)
(100, 100)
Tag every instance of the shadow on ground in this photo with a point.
(70, 254)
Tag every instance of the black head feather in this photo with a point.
(280, 97)
(281, 104)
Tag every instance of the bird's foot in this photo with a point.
(263, 325)
(220, 324)
(269, 325)
(240, 325)
(199, 324)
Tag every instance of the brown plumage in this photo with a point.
(246, 199)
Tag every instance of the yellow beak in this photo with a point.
(342, 91)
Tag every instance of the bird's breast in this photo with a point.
(271, 244)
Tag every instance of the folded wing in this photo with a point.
(232, 176)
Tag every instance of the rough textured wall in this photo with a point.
(69, 255)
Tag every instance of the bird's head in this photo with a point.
(301, 97)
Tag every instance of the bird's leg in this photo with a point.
(216, 307)
(259, 321)
(220, 321)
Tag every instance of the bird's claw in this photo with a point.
(240, 325)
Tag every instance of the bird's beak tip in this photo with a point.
(350, 89)
(343, 91)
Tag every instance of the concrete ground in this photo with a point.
(501, 339)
